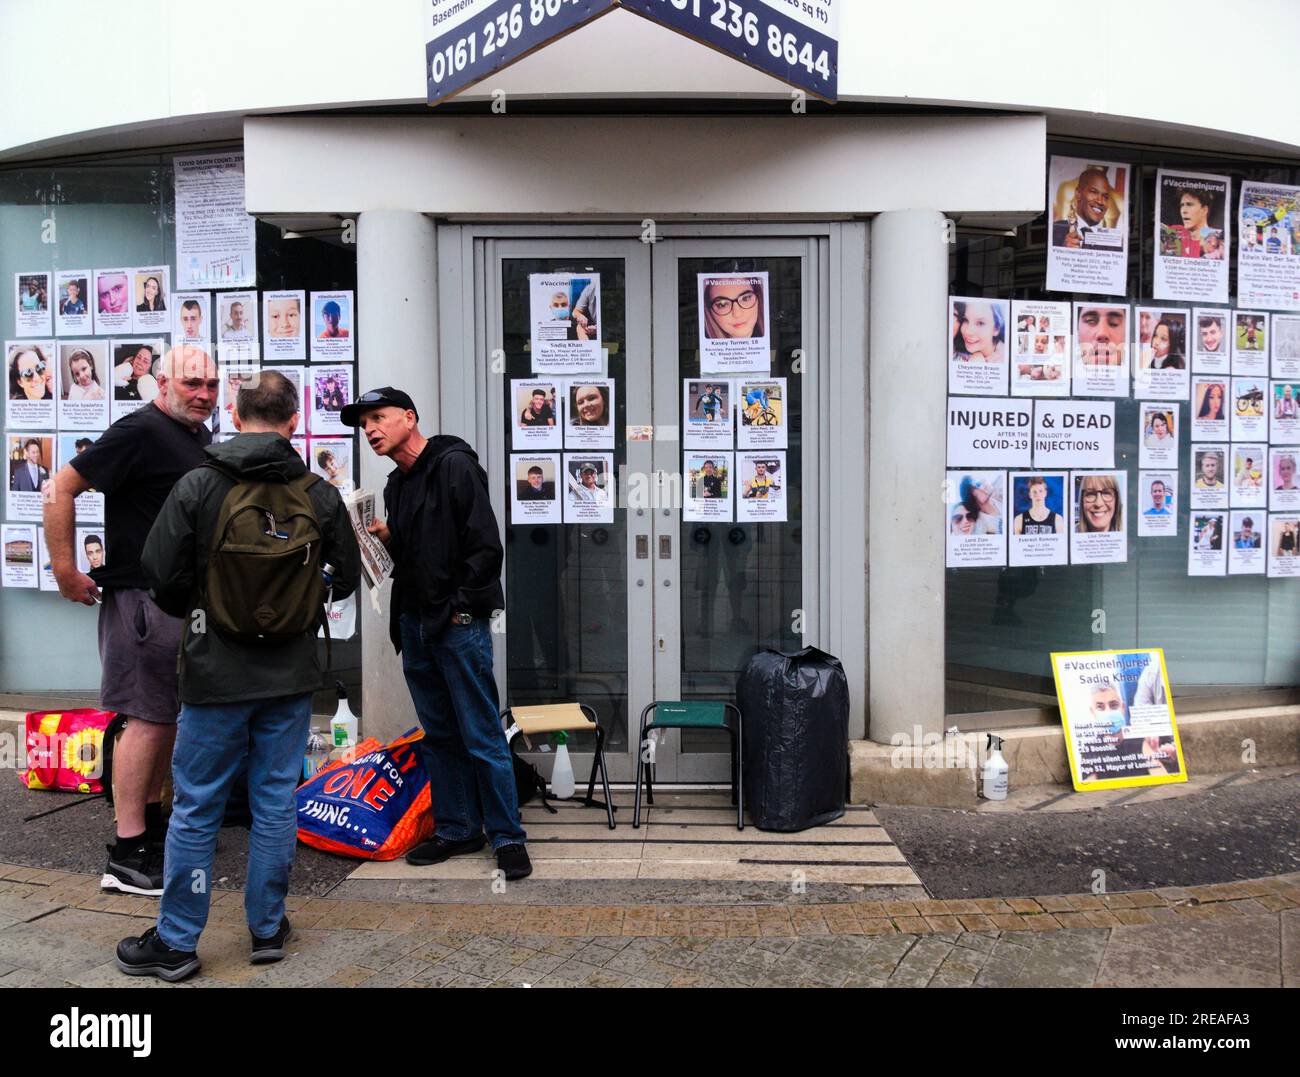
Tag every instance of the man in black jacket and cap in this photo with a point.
(446, 548)
(245, 699)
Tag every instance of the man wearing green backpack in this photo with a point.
(247, 549)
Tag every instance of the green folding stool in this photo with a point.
(697, 714)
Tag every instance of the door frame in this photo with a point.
(835, 469)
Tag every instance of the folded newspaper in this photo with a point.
(376, 564)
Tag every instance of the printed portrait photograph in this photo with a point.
(977, 504)
(72, 296)
(84, 370)
(709, 402)
(708, 476)
(1101, 332)
(113, 293)
(589, 404)
(135, 370)
(30, 372)
(150, 292)
(31, 461)
(33, 292)
(587, 480)
(1191, 218)
(761, 403)
(535, 405)
(534, 480)
(1099, 503)
(1088, 203)
(979, 330)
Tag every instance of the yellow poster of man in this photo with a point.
(1118, 716)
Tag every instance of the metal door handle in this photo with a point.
(665, 547)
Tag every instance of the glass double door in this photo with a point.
(652, 546)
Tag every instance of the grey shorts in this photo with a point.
(138, 649)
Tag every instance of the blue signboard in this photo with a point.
(797, 41)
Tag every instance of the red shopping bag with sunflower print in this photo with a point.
(65, 750)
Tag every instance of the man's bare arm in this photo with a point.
(60, 516)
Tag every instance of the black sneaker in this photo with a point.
(440, 849)
(138, 872)
(513, 861)
(148, 955)
(272, 949)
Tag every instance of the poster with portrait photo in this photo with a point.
(237, 322)
(136, 365)
(761, 413)
(1211, 340)
(589, 493)
(333, 327)
(113, 306)
(1247, 555)
(707, 413)
(233, 378)
(1040, 348)
(31, 462)
(1283, 479)
(1210, 409)
(565, 320)
(1249, 409)
(32, 305)
(31, 380)
(298, 376)
(90, 549)
(1283, 545)
(284, 328)
(331, 390)
(88, 506)
(735, 323)
(19, 551)
(151, 299)
(1193, 234)
(331, 459)
(72, 316)
(589, 410)
(1250, 337)
(1101, 349)
(1284, 347)
(192, 319)
(1207, 543)
(535, 488)
(760, 487)
(1248, 476)
(978, 358)
(1117, 712)
(1158, 435)
(1161, 371)
(538, 406)
(1039, 518)
(1268, 246)
(85, 384)
(1209, 470)
(1157, 511)
(975, 523)
(1098, 521)
(1284, 412)
(708, 493)
(1088, 202)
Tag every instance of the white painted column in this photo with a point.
(397, 308)
(907, 379)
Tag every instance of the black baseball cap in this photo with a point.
(385, 396)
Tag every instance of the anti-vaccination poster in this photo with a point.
(1101, 349)
(735, 323)
(1118, 715)
(564, 312)
(1207, 553)
(1161, 371)
(1088, 201)
(1211, 340)
(1192, 236)
(975, 523)
(978, 359)
(1268, 246)
(708, 493)
(1040, 348)
(1157, 504)
(1099, 523)
(1283, 545)
(1039, 533)
(215, 238)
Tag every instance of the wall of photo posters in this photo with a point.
(1037, 481)
(88, 349)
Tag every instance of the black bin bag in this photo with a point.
(795, 708)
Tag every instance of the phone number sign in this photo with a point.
(797, 41)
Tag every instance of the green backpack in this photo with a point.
(264, 580)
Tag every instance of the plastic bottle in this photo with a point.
(562, 773)
(343, 726)
(996, 774)
(318, 751)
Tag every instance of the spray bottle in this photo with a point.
(996, 776)
(562, 773)
(343, 726)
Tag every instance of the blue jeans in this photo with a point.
(213, 744)
(471, 774)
